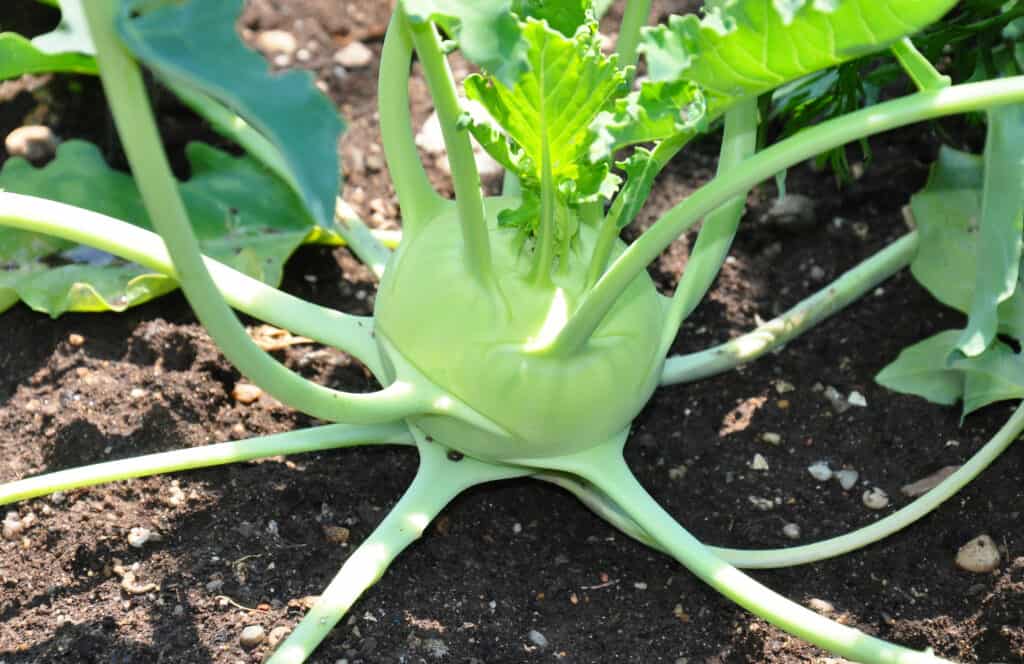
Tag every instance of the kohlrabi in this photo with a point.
(517, 336)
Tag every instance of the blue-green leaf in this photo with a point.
(1002, 227)
(243, 216)
(997, 374)
(193, 44)
(922, 370)
(947, 212)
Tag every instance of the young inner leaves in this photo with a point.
(543, 119)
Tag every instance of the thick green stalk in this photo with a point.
(633, 20)
(353, 334)
(919, 68)
(416, 196)
(605, 468)
(438, 480)
(613, 221)
(808, 313)
(739, 142)
(808, 143)
(133, 115)
(360, 239)
(465, 177)
(545, 254)
(317, 439)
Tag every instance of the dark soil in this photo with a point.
(246, 544)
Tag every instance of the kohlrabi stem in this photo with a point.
(133, 115)
(613, 221)
(804, 145)
(373, 253)
(465, 177)
(919, 68)
(417, 198)
(605, 467)
(438, 480)
(836, 546)
(633, 20)
(545, 254)
(353, 334)
(317, 439)
(805, 315)
(739, 141)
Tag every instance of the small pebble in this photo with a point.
(677, 473)
(517, 528)
(839, 404)
(138, 537)
(336, 534)
(980, 555)
(820, 471)
(857, 399)
(793, 212)
(33, 142)
(13, 526)
(277, 42)
(252, 636)
(430, 138)
(924, 485)
(640, 585)
(771, 438)
(875, 499)
(762, 504)
(246, 393)
(818, 273)
(537, 639)
(76, 340)
(791, 530)
(847, 478)
(354, 56)
(137, 393)
(821, 606)
(759, 463)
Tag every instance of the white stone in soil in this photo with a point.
(791, 531)
(980, 555)
(537, 639)
(759, 463)
(139, 536)
(820, 471)
(875, 499)
(33, 142)
(857, 399)
(847, 478)
(277, 42)
(354, 56)
(252, 636)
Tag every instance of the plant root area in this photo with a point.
(518, 571)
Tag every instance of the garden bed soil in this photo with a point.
(249, 544)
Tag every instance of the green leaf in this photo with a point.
(658, 110)
(997, 374)
(488, 33)
(921, 370)
(744, 48)
(566, 16)
(193, 44)
(243, 216)
(68, 48)
(947, 212)
(641, 169)
(1002, 227)
(551, 106)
